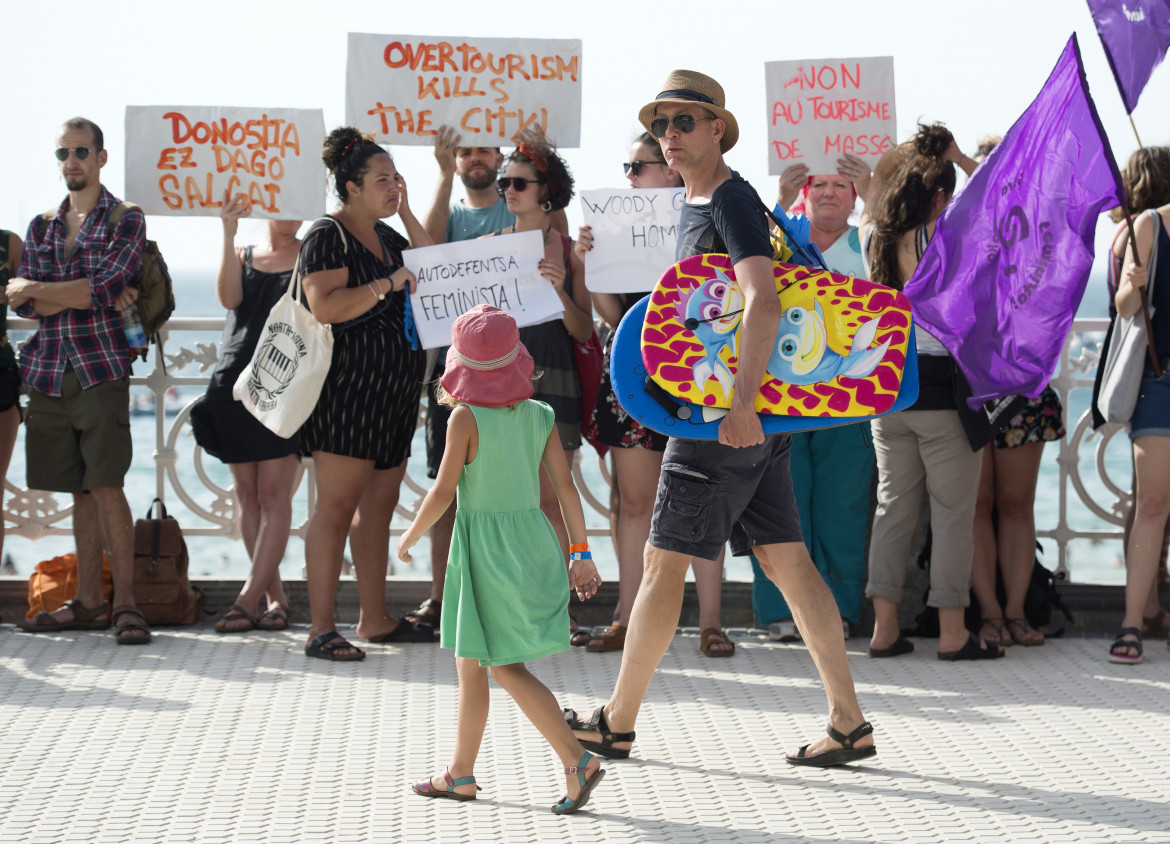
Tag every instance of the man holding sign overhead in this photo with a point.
(738, 488)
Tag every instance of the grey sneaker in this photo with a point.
(783, 631)
(845, 628)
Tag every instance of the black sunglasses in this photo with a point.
(62, 153)
(518, 182)
(635, 167)
(683, 122)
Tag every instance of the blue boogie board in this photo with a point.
(652, 406)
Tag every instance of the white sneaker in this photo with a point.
(783, 631)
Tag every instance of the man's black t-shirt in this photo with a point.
(733, 222)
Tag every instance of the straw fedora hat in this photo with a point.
(487, 365)
(689, 86)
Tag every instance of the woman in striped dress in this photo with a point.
(359, 434)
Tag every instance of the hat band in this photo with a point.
(684, 94)
(486, 365)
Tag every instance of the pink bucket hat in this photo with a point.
(487, 365)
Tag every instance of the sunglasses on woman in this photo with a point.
(517, 183)
(634, 168)
(683, 122)
(62, 153)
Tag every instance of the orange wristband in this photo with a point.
(582, 547)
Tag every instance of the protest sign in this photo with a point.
(500, 271)
(819, 109)
(180, 160)
(634, 235)
(404, 87)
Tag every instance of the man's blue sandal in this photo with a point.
(567, 806)
(425, 788)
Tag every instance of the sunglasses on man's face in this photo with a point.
(62, 153)
(517, 183)
(635, 167)
(683, 122)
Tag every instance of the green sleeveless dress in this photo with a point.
(506, 596)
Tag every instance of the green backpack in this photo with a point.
(156, 294)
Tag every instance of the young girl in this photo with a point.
(506, 590)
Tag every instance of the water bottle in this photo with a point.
(132, 325)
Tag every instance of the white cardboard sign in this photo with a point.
(404, 87)
(181, 159)
(634, 236)
(500, 271)
(819, 109)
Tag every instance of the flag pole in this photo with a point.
(1139, 140)
(1145, 305)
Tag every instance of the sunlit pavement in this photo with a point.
(207, 738)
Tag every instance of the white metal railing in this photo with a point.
(34, 514)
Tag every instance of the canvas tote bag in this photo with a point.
(1121, 377)
(281, 384)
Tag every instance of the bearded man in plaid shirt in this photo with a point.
(74, 276)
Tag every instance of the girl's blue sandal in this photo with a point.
(425, 788)
(567, 806)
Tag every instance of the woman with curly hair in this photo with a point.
(923, 450)
(359, 433)
(535, 183)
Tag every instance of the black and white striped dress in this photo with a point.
(369, 404)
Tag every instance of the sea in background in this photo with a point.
(214, 557)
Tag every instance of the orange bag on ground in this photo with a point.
(53, 582)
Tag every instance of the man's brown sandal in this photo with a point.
(275, 619)
(84, 618)
(711, 637)
(233, 616)
(130, 627)
(613, 638)
(429, 612)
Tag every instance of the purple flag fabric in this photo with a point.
(1003, 275)
(1136, 35)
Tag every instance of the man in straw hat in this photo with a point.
(738, 488)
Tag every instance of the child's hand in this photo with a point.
(584, 579)
(405, 543)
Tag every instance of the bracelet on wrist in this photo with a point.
(580, 555)
(584, 546)
(377, 298)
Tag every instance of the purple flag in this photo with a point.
(1003, 275)
(1136, 35)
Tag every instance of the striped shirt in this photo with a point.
(91, 340)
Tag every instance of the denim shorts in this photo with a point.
(709, 493)
(1151, 415)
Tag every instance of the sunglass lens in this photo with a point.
(633, 168)
(62, 153)
(684, 123)
(658, 126)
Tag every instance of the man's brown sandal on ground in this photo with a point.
(130, 627)
(232, 617)
(711, 637)
(613, 638)
(84, 618)
(274, 619)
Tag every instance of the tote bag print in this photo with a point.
(281, 385)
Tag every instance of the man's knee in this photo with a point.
(659, 562)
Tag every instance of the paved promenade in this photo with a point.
(206, 738)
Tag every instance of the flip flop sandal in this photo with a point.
(325, 645)
(566, 806)
(613, 638)
(84, 618)
(234, 614)
(1116, 650)
(1000, 635)
(275, 619)
(405, 633)
(712, 636)
(429, 612)
(130, 627)
(901, 646)
(597, 724)
(425, 789)
(972, 649)
(843, 755)
(1022, 634)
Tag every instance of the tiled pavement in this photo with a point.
(206, 738)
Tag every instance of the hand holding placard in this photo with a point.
(634, 232)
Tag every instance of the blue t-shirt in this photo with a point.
(466, 223)
(733, 222)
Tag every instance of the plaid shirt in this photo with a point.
(92, 340)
